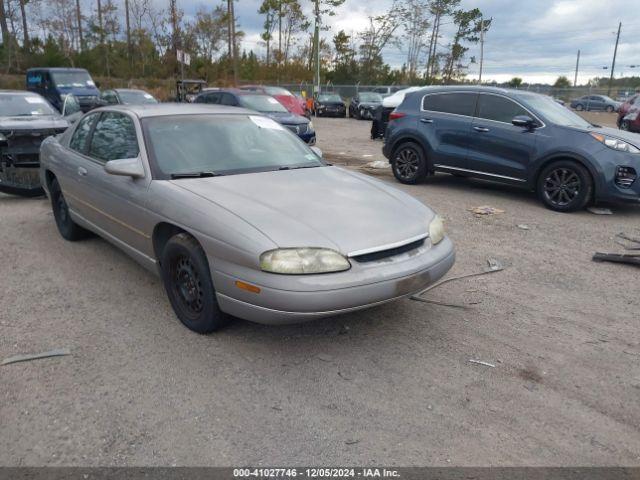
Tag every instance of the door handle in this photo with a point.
(481, 129)
(426, 120)
(82, 171)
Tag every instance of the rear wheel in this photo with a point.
(187, 281)
(565, 186)
(409, 163)
(625, 125)
(69, 229)
(609, 109)
(579, 107)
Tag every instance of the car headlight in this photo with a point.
(301, 261)
(310, 126)
(614, 143)
(436, 230)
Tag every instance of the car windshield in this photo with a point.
(72, 79)
(554, 112)
(262, 103)
(278, 91)
(370, 97)
(223, 144)
(24, 106)
(329, 98)
(137, 97)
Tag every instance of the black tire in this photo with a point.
(69, 229)
(565, 186)
(409, 163)
(609, 109)
(625, 125)
(187, 281)
(361, 114)
(579, 107)
(350, 114)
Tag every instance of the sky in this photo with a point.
(536, 40)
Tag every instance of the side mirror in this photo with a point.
(317, 151)
(127, 167)
(524, 121)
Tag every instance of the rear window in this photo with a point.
(456, 103)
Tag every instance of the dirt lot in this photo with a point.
(391, 385)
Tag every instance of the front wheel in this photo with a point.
(409, 163)
(625, 125)
(565, 186)
(187, 281)
(69, 230)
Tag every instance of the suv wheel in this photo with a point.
(187, 281)
(409, 163)
(565, 186)
(69, 229)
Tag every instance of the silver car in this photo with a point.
(238, 216)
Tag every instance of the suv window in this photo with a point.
(499, 109)
(114, 138)
(78, 140)
(456, 103)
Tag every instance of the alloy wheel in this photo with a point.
(562, 186)
(407, 163)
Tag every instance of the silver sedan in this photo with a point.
(238, 216)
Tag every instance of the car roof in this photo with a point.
(131, 90)
(164, 109)
(58, 69)
(234, 91)
(18, 92)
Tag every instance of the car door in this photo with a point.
(497, 148)
(445, 122)
(117, 203)
(596, 102)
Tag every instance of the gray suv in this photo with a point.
(514, 137)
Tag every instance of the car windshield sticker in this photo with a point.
(264, 122)
(90, 83)
(146, 95)
(34, 99)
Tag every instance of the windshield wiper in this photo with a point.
(284, 167)
(195, 175)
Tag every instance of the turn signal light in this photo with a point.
(247, 286)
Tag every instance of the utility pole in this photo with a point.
(481, 50)
(613, 64)
(79, 19)
(234, 45)
(279, 39)
(316, 41)
(575, 78)
(128, 26)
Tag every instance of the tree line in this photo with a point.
(141, 38)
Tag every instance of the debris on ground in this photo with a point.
(36, 356)
(522, 226)
(630, 259)
(351, 442)
(324, 357)
(435, 302)
(377, 164)
(480, 362)
(600, 211)
(623, 239)
(486, 210)
(493, 265)
(344, 376)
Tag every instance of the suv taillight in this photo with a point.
(396, 115)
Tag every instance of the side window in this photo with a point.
(456, 103)
(228, 99)
(109, 97)
(34, 80)
(114, 138)
(78, 140)
(499, 109)
(211, 98)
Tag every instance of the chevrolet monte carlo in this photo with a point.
(238, 216)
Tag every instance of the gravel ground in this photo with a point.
(391, 385)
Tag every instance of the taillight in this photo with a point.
(396, 115)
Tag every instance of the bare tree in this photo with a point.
(25, 27)
(79, 20)
(416, 20)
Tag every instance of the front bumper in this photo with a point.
(282, 304)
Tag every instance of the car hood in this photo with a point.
(287, 118)
(332, 104)
(632, 138)
(80, 91)
(317, 207)
(40, 122)
(369, 104)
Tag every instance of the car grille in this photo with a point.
(375, 256)
(297, 129)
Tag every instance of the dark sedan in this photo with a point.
(264, 104)
(595, 102)
(127, 96)
(330, 105)
(364, 104)
(514, 137)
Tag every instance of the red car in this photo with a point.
(632, 103)
(284, 96)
